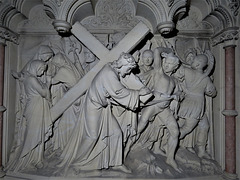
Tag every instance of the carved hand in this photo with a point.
(144, 91)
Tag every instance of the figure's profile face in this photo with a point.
(169, 65)
(147, 58)
(199, 62)
(41, 70)
(46, 57)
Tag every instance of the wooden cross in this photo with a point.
(127, 44)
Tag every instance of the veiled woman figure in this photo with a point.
(36, 125)
(66, 76)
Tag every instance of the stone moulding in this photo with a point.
(234, 6)
(63, 10)
(228, 34)
(229, 112)
(61, 26)
(164, 11)
(167, 12)
(8, 35)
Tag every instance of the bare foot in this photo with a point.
(174, 165)
(122, 168)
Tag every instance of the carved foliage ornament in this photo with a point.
(234, 6)
(112, 13)
(8, 35)
(227, 35)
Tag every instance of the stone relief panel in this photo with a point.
(143, 114)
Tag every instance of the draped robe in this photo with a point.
(97, 139)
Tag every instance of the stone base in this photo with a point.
(17, 176)
(229, 176)
(2, 173)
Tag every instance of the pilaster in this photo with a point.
(5, 35)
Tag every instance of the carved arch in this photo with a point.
(166, 14)
(178, 9)
(220, 18)
(79, 6)
(7, 11)
(161, 13)
(156, 7)
(147, 7)
(63, 10)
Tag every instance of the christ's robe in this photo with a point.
(97, 139)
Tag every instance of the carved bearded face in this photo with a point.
(125, 64)
(125, 70)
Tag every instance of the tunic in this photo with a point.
(193, 105)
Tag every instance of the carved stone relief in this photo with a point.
(132, 106)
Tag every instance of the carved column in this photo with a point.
(2, 108)
(230, 113)
(5, 35)
(228, 36)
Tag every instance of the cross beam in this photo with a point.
(128, 43)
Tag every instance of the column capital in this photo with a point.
(8, 35)
(62, 26)
(2, 41)
(229, 44)
(227, 36)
